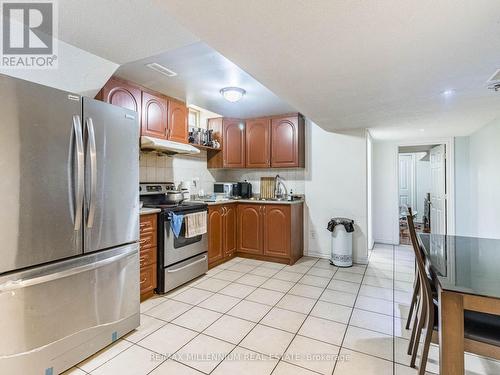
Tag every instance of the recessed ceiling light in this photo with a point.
(232, 94)
(422, 130)
(448, 92)
(161, 69)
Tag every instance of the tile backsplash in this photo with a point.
(293, 178)
(191, 168)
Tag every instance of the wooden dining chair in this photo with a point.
(481, 330)
(416, 289)
(424, 317)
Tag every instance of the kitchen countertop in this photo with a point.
(145, 211)
(257, 201)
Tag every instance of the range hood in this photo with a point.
(166, 147)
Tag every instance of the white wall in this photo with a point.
(463, 184)
(334, 183)
(78, 71)
(477, 210)
(385, 192)
(369, 192)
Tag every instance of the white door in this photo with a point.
(438, 189)
(406, 167)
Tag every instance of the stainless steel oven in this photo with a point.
(180, 259)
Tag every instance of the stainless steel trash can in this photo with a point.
(342, 230)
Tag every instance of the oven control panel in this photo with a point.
(156, 188)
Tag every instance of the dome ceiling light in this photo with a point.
(232, 94)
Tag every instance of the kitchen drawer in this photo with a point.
(147, 257)
(147, 278)
(147, 223)
(147, 240)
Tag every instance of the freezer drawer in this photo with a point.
(53, 317)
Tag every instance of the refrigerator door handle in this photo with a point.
(93, 172)
(65, 269)
(77, 128)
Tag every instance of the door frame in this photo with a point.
(450, 181)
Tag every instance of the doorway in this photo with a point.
(422, 187)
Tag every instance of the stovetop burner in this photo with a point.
(185, 207)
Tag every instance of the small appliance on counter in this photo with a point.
(185, 188)
(243, 190)
(226, 189)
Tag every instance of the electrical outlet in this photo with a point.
(313, 234)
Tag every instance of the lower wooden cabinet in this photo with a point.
(250, 228)
(148, 234)
(221, 233)
(264, 231)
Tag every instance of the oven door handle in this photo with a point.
(188, 265)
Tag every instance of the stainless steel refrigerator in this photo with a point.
(69, 226)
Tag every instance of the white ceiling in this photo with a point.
(363, 64)
(120, 30)
(202, 72)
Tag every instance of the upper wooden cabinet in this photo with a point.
(258, 138)
(177, 122)
(122, 94)
(154, 115)
(161, 116)
(233, 147)
(287, 142)
(267, 142)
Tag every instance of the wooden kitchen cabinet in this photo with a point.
(276, 231)
(287, 141)
(271, 231)
(177, 121)
(258, 143)
(215, 234)
(154, 115)
(266, 142)
(250, 228)
(233, 147)
(160, 116)
(229, 232)
(148, 234)
(221, 233)
(121, 93)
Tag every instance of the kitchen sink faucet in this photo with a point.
(279, 183)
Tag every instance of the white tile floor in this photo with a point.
(252, 317)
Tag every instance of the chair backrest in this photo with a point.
(422, 274)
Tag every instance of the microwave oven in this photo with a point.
(225, 189)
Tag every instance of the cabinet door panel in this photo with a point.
(122, 94)
(249, 229)
(177, 122)
(215, 234)
(154, 115)
(277, 230)
(234, 143)
(284, 142)
(229, 229)
(258, 143)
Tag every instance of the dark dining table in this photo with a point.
(467, 274)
